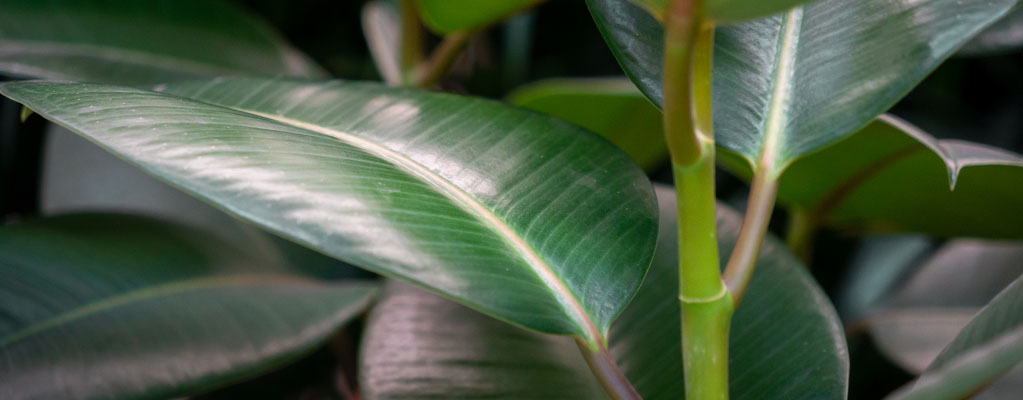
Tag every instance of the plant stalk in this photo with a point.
(610, 376)
(759, 207)
(705, 303)
(411, 41)
(799, 233)
(442, 58)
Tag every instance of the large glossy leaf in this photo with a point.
(139, 42)
(786, 341)
(1005, 36)
(989, 345)
(114, 306)
(611, 107)
(447, 16)
(890, 176)
(524, 217)
(792, 83)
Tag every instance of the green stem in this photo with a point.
(754, 227)
(442, 58)
(681, 29)
(411, 41)
(611, 377)
(799, 234)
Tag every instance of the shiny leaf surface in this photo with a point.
(731, 11)
(521, 216)
(610, 107)
(989, 345)
(447, 16)
(116, 306)
(420, 346)
(1004, 36)
(140, 42)
(892, 177)
(792, 83)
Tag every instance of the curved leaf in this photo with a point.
(890, 176)
(610, 107)
(1004, 36)
(447, 16)
(989, 345)
(786, 340)
(790, 84)
(518, 215)
(381, 26)
(140, 42)
(114, 306)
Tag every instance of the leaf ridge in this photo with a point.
(777, 120)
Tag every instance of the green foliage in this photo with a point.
(115, 306)
(447, 16)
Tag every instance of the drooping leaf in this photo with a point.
(381, 26)
(116, 306)
(786, 340)
(990, 345)
(792, 83)
(140, 42)
(521, 216)
(447, 16)
(610, 107)
(892, 177)
(1004, 36)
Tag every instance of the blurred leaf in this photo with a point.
(140, 42)
(892, 177)
(989, 345)
(420, 346)
(1004, 36)
(610, 107)
(447, 16)
(878, 266)
(521, 216)
(920, 318)
(790, 84)
(381, 26)
(116, 306)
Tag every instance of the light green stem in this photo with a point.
(799, 233)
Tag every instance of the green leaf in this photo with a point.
(447, 16)
(989, 345)
(877, 266)
(1003, 37)
(610, 107)
(790, 84)
(116, 306)
(381, 26)
(786, 340)
(892, 177)
(140, 42)
(521, 216)
(732, 11)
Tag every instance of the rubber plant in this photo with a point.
(525, 256)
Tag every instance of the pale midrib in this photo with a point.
(116, 55)
(777, 116)
(565, 296)
(140, 295)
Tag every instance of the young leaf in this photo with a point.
(1004, 36)
(890, 176)
(140, 42)
(990, 345)
(610, 107)
(447, 16)
(786, 341)
(790, 84)
(114, 306)
(521, 216)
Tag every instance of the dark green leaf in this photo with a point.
(114, 306)
(1005, 36)
(989, 345)
(786, 340)
(610, 107)
(890, 176)
(521, 216)
(790, 84)
(447, 16)
(140, 42)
